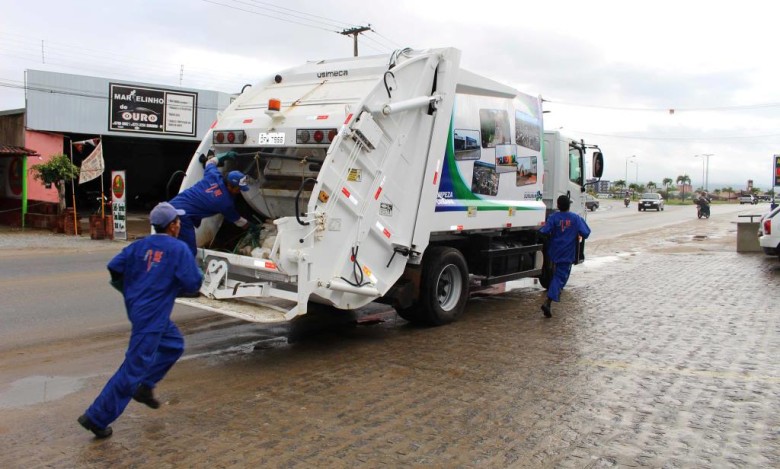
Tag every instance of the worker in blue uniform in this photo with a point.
(211, 195)
(150, 273)
(564, 228)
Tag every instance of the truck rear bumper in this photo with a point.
(272, 310)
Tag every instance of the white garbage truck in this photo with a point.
(402, 179)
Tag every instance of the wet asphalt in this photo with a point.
(662, 353)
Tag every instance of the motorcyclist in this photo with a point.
(703, 201)
(627, 199)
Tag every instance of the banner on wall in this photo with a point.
(118, 201)
(777, 171)
(152, 110)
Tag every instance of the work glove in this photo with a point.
(117, 281)
(230, 155)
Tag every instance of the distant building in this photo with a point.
(600, 186)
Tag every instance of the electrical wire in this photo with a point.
(269, 16)
(336, 23)
(641, 137)
(74, 93)
(671, 109)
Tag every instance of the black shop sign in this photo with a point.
(152, 110)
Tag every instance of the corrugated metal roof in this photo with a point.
(11, 150)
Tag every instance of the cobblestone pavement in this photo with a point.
(662, 353)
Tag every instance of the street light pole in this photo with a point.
(626, 179)
(707, 172)
(702, 170)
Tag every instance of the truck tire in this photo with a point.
(444, 287)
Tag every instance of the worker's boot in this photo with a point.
(87, 423)
(547, 308)
(144, 395)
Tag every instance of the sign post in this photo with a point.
(775, 179)
(118, 200)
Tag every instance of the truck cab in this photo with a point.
(564, 170)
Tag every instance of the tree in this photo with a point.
(683, 179)
(717, 192)
(56, 171)
(729, 190)
(634, 187)
(667, 182)
(651, 186)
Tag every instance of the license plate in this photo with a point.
(270, 138)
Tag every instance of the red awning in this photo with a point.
(11, 150)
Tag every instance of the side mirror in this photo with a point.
(598, 164)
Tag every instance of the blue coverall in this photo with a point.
(155, 269)
(563, 228)
(206, 198)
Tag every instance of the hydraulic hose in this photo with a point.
(298, 196)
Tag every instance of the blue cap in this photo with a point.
(164, 213)
(238, 179)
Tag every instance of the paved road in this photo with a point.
(661, 354)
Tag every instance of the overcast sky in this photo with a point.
(611, 70)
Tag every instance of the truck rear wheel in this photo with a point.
(443, 288)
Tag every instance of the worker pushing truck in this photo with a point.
(401, 179)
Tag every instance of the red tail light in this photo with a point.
(315, 136)
(230, 136)
(768, 226)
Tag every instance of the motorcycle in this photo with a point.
(703, 211)
(626, 201)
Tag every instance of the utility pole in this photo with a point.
(354, 33)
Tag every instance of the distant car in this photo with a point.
(769, 233)
(748, 199)
(591, 203)
(651, 200)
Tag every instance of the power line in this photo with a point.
(641, 137)
(336, 23)
(670, 110)
(393, 45)
(71, 92)
(269, 16)
(58, 50)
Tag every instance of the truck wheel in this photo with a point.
(444, 286)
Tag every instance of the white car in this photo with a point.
(748, 199)
(769, 232)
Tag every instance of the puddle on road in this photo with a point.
(37, 389)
